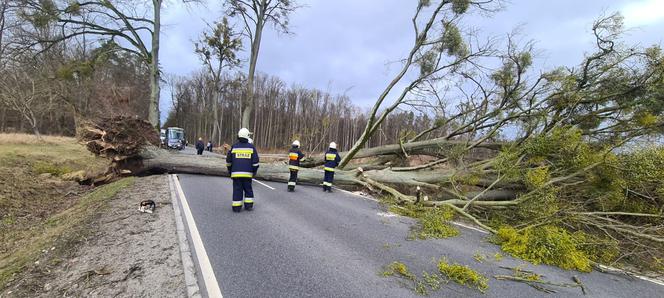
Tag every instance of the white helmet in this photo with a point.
(333, 145)
(251, 141)
(243, 133)
(296, 143)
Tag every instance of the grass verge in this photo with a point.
(42, 236)
(36, 205)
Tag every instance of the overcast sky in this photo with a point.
(352, 45)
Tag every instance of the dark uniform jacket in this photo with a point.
(242, 160)
(332, 160)
(294, 157)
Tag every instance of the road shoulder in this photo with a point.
(125, 252)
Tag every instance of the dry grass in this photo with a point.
(36, 206)
(28, 139)
(65, 224)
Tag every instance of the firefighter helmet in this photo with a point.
(243, 133)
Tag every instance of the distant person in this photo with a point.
(242, 164)
(332, 160)
(209, 146)
(200, 146)
(294, 157)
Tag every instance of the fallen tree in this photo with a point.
(432, 147)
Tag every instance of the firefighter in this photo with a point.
(242, 164)
(332, 160)
(200, 146)
(294, 157)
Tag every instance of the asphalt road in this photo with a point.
(191, 150)
(314, 244)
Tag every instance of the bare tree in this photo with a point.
(255, 14)
(434, 54)
(4, 7)
(121, 21)
(218, 50)
(22, 92)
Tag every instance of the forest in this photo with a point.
(283, 114)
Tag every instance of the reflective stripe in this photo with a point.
(237, 203)
(294, 167)
(243, 153)
(242, 175)
(248, 200)
(254, 165)
(328, 169)
(229, 164)
(330, 156)
(327, 183)
(291, 183)
(293, 156)
(242, 150)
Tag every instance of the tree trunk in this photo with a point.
(253, 59)
(154, 160)
(415, 147)
(153, 109)
(32, 120)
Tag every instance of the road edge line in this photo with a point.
(645, 278)
(210, 280)
(376, 200)
(652, 280)
(483, 231)
(354, 194)
(191, 282)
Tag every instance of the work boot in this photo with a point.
(237, 208)
(249, 207)
(291, 188)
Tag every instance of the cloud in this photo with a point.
(643, 13)
(341, 44)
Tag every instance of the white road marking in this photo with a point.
(209, 278)
(386, 214)
(383, 214)
(354, 194)
(652, 280)
(389, 214)
(193, 289)
(469, 227)
(261, 183)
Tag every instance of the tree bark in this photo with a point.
(155, 89)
